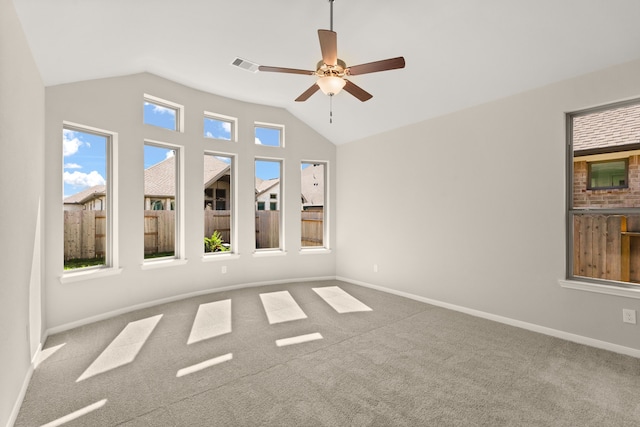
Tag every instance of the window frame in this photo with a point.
(233, 121)
(178, 108)
(585, 283)
(325, 214)
(281, 222)
(112, 262)
(179, 236)
(232, 202)
(275, 126)
(614, 187)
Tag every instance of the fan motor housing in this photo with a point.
(338, 70)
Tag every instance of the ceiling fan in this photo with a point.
(331, 71)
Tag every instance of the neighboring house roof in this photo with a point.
(313, 185)
(263, 185)
(607, 130)
(85, 195)
(159, 179)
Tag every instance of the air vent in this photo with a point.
(245, 65)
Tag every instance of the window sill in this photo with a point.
(78, 276)
(314, 251)
(600, 289)
(269, 252)
(150, 265)
(221, 256)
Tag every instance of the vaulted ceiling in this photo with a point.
(459, 53)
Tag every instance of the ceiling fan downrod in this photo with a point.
(331, 15)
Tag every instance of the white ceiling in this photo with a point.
(458, 53)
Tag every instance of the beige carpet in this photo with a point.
(401, 363)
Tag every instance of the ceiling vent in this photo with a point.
(245, 65)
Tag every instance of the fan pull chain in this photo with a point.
(331, 108)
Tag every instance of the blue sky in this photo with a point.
(85, 153)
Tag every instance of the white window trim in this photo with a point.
(281, 201)
(234, 208)
(600, 288)
(270, 126)
(168, 104)
(223, 118)
(326, 218)
(179, 243)
(112, 256)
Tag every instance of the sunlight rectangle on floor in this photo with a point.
(341, 301)
(203, 365)
(212, 319)
(76, 414)
(281, 307)
(299, 339)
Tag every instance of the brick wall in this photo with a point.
(612, 198)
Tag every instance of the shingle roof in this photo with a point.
(609, 128)
(159, 179)
(263, 185)
(85, 195)
(313, 185)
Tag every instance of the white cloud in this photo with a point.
(258, 141)
(80, 179)
(159, 109)
(72, 166)
(171, 153)
(209, 135)
(226, 126)
(70, 143)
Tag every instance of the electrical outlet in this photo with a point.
(224, 269)
(375, 268)
(628, 316)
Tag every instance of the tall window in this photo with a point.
(269, 134)
(217, 126)
(313, 204)
(87, 197)
(161, 200)
(218, 203)
(604, 188)
(162, 113)
(268, 201)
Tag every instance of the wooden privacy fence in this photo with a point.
(312, 228)
(85, 231)
(604, 247)
(84, 234)
(159, 231)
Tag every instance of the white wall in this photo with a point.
(115, 104)
(21, 191)
(475, 213)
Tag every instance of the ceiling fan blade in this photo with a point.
(373, 67)
(285, 70)
(357, 91)
(307, 93)
(329, 46)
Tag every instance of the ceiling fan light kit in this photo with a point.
(331, 70)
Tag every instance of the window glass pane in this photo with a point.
(606, 246)
(218, 190)
(160, 115)
(218, 129)
(267, 182)
(608, 174)
(313, 198)
(160, 183)
(85, 199)
(270, 136)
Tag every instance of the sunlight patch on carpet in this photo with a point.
(203, 365)
(124, 348)
(299, 339)
(341, 301)
(212, 319)
(76, 414)
(281, 307)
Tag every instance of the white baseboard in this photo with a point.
(109, 314)
(18, 403)
(506, 320)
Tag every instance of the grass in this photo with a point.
(73, 264)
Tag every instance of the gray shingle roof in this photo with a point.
(610, 128)
(86, 195)
(313, 185)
